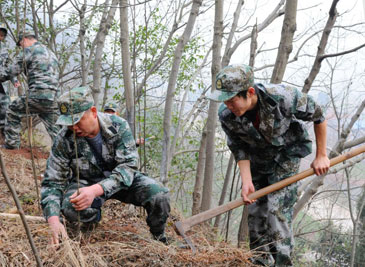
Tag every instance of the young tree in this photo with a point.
(166, 158)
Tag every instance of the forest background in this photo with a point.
(158, 59)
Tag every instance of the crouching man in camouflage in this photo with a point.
(103, 154)
(41, 67)
(267, 139)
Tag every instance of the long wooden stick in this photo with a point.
(185, 225)
(28, 217)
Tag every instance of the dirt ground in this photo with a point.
(121, 239)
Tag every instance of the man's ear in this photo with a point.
(94, 111)
(251, 91)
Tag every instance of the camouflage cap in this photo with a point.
(111, 106)
(73, 105)
(230, 81)
(21, 35)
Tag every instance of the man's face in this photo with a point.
(26, 42)
(2, 35)
(88, 125)
(238, 105)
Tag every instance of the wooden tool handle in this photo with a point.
(206, 215)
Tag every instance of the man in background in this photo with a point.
(111, 107)
(40, 65)
(4, 62)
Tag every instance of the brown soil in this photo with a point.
(121, 239)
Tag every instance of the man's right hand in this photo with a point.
(247, 188)
(247, 185)
(57, 230)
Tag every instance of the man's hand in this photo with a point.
(246, 177)
(320, 165)
(247, 188)
(16, 84)
(86, 196)
(140, 141)
(57, 230)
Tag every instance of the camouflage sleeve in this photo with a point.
(237, 147)
(305, 108)
(126, 156)
(11, 71)
(55, 179)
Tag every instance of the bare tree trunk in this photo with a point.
(321, 47)
(20, 90)
(213, 108)
(35, 28)
(286, 41)
(165, 162)
(229, 213)
(126, 65)
(197, 194)
(52, 38)
(243, 231)
(277, 12)
(82, 31)
(227, 178)
(104, 27)
(109, 75)
(253, 46)
(236, 16)
(182, 107)
(359, 247)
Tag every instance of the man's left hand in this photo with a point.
(86, 196)
(320, 165)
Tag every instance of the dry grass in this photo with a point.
(121, 239)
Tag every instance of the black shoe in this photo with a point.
(161, 237)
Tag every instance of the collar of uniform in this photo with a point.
(270, 103)
(106, 128)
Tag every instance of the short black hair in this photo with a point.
(4, 31)
(242, 94)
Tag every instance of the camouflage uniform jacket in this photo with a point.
(280, 135)
(41, 67)
(118, 152)
(4, 58)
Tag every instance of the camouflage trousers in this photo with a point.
(46, 110)
(4, 103)
(144, 191)
(270, 217)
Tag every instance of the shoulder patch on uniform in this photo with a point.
(112, 129)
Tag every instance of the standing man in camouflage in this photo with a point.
(4, 62)
(106, 161)
(41, 68)
(267, 139)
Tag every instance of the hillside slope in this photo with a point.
(121, 239)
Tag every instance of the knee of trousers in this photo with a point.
(68, 211)
(158, 209)
(72, 215)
